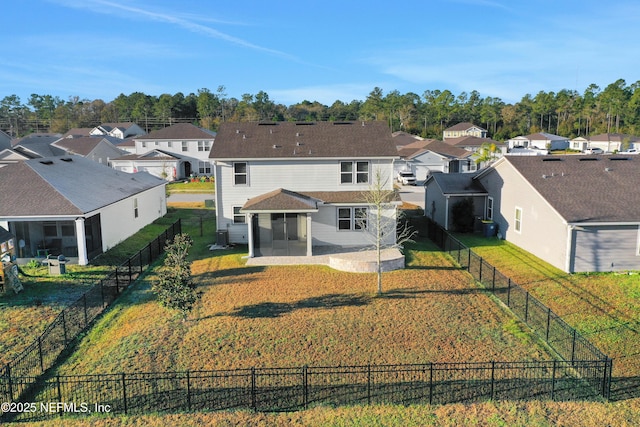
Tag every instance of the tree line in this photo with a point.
(614, 109)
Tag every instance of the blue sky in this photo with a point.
(317, 51)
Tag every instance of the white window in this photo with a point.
(354, 172)
(144, 144)
(238, 217)
(204, 145)
(489, 207)
(169, 143)
(518, 220)
(350, 219)
(185, 146)
(204, 167)
(240, 173)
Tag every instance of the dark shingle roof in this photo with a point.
(471, 141)
(303, 140)
(82, 145)
(179, 131)
(585, 188)
(457, 183)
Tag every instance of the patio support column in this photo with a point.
(309, 236)
(250, 234)
(81, 239)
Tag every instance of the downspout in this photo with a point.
(446, 213)
(567, 261)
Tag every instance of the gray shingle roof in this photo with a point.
(458, 183)
(585, 188)
(178, 131)
(303, 140)
(53, 186)
(463, 126)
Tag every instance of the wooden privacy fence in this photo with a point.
(290, 389)
(42, 353)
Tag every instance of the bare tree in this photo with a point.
(381, 220)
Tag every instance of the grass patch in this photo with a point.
(493, 414)
(604, 307)
(191, 187)
(297, 315)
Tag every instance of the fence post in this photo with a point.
(469, 260)
(188, 391)
(573, 346)
(509, 292)
(117, 283)
(40, 354)
(548, 323)
(7, 371)
(480, 271)
(369, 384)
(459, 250)
(493, 379)
(64, 327)
(526, 308)
(430, 383)
(59, 391)
(493, 281)
(86, 317)
(124, 393)
(130, 271)
(253, 389)
(553, 381)
(305, 387)
(606, 381)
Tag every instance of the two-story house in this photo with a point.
(183, 149)
(286, 188)
(118, 130)
(464, 129)
(100, 149)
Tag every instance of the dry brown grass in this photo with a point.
(297, 315)
(520, 414)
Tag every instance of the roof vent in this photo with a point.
(619, 158)
(552, 159)
(244, 136)
(298, 143)
(305, 123)
(237, 130)
(588, 159)
(342, 123)
(46, 162)
(67, 159)
(608, 169)
(297, 133)
(277, 146)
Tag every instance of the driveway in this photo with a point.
(413, 194)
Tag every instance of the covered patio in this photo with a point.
(280, 224)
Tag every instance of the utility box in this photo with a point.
(57, 265)
(222, 238)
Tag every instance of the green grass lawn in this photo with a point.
(604, 307)
(191, 187)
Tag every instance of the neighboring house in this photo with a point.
(540, 140)
(428, 156)
(158, 163)
(77, 132)
(286, 188)
(612, 142)
(190, 142)
(473, 143)
(100, 149)
(578, 213)
(73, 206)
(37, 145)
(580, 143)
(464, 129)
(401, 139)
(128, 145)
(444, 190)
(118, 130)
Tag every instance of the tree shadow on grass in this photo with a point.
(230, 275)
(417, 292)
(277, 309)
(623, 388)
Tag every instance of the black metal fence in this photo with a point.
(290, 389)
(42, 353)
(569, 344)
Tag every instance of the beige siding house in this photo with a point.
(464, 129)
